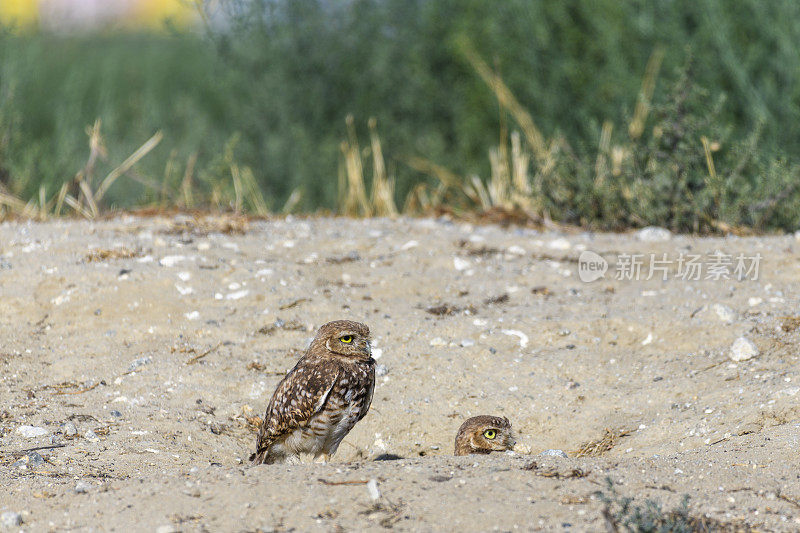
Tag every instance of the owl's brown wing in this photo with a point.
(299, 396)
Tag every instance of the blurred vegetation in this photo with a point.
(608, 114)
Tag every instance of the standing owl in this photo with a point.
(321, 398)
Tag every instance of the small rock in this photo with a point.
(797, 235)
(31, 432)
(466, 343)
(554, 453)
(653, 234)
(237, 295)
(381, 370)
(91, 436)
(69, 429)
(139, 363)
(725, 313)
(81, 487)
(754, 301)
(460, 263)
(560, 244)
(29, 460)
(171, 260)
(515, 250)
(743, 349)
(11, 519)
(115, 413)
(523, 339)
(372, 488)
(438, 341)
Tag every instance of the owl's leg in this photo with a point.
(291, 459)
(323, 458)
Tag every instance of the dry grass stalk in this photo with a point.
(600, 446)
(636, 126)
(105, 254)
(292, 202)
(355, 194)
(353, 200)
(507, 101)
(186, 183)
(382, 187)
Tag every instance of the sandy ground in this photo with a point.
(144, 348)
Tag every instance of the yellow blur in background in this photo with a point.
(96, 14)
(21, 12)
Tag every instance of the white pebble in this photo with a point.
(69, 429)
(11, 519)
(372, 488)
(82, 487)
(743, 349)
(31, 432)
(559, 244)
(647, 340)
(725, 313)
(438, 341)
(523, 339)
(194, 315)
(754, 301)
(171, 260)
(516, 250)
(653, 234)
(460, 264)
(237, 295)
(554, 453)
(184, 290)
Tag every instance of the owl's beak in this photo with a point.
(512, 441)
(368, 349)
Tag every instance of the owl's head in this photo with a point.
(484, 434)
(343, 337)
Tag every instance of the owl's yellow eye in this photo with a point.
(347, 339)
(490, 434)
